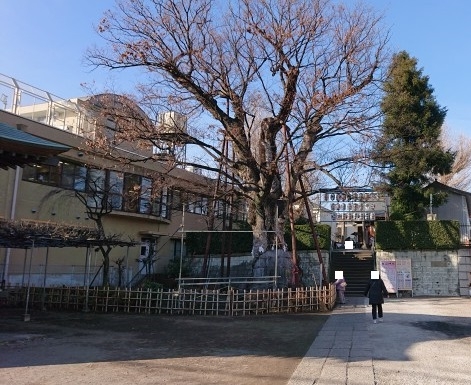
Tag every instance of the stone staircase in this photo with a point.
(356, 265)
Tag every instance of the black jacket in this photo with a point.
(376, 290)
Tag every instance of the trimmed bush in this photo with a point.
(305, 240)
(236, 242)
(241, 242)
(417, 235)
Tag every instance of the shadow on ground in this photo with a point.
(91, 337)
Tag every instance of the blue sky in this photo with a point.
(43, 43)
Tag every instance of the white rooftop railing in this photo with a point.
(41, 106)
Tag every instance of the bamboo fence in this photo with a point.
(173, 302)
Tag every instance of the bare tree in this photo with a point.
(460, 176)
(98, 204)
(283, 79)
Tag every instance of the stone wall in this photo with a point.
(309, 263)
(435, 272)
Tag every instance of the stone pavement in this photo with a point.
(423, 340)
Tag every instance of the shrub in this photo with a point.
(417, 235)
(241, 242)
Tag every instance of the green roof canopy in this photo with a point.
(18, 148)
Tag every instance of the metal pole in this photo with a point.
(27, 317)
(24, 268)
(276, 248)
(45, 281)
(127, 267)
(320, 275)
(181, 248)
(87, 279)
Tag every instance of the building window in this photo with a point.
(73, 176)
(131, 191)
(145, 206)
(177, 248)
(164, 202)
(106, 188)
(196, 204)
(177, 200)
(115, 189)
(220, 211)
(42, 173)
(96, 188)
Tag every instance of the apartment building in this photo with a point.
(46, 164)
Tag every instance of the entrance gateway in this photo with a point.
(351, 213)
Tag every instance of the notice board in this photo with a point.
(404, 274)
(387, 270)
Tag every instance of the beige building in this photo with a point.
(43, 189)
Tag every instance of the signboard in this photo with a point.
(404, 274)
(388, 275)
(357, 206)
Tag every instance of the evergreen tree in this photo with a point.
(409, 148)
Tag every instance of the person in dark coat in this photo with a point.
(375, 291)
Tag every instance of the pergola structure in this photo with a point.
(18, 149)
(31, 234)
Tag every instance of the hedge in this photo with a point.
(417, 235)
(241, 242)
(304, 238)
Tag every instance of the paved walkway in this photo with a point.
(421, 341)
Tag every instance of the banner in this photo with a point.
(388, 275)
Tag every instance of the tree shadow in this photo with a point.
(272, 345)
(54, 338)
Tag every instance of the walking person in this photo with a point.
(376, 290)
(340, 285)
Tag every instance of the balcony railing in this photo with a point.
(41, 106)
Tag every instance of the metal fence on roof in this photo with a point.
(42, 106)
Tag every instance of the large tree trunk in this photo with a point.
(269, 248)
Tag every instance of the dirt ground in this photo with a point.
(89, 348)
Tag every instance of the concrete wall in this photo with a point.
(435, 272)
(241, 266)
(464, 271)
